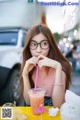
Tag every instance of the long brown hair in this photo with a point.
(54, 53)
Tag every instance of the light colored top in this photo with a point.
(45, 80)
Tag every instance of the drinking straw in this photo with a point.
(36, 78)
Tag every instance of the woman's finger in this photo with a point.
(42, 63)
(40, 57)
(35, 59)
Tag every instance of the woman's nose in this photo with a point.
(39, 48)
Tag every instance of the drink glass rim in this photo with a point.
(37, 90)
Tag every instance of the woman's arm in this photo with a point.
(26, 85)
(29, 65)
(58, 94)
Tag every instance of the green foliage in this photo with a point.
(57, 36)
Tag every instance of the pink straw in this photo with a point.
(36, 78)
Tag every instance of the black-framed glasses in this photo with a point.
(44, 44)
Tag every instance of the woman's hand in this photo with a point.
(45, 61)
(30, 63)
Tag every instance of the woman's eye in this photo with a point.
(45, 43)
(33, 44)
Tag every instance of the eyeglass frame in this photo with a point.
(39, 44)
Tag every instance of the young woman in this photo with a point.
(54, 70)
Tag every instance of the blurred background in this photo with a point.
(16, 17)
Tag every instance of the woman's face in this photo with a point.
(39, 45)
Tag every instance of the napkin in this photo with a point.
(71, 97)
(70, 110)
(53, 111)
